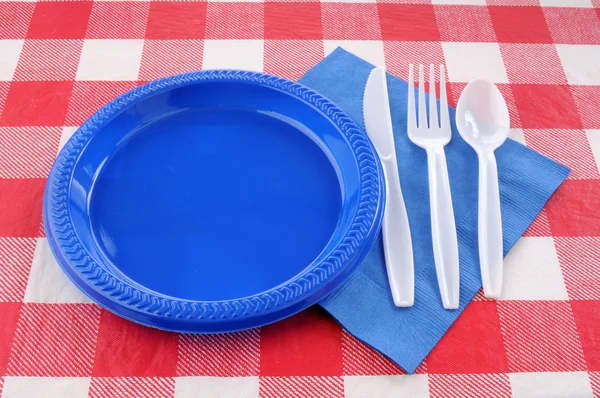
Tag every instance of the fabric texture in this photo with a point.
(62, 60)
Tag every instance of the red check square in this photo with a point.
(595, 382)
(569, 147)
(73, 17)
(176, 20)
(14, 19)
(520, 24)
(428, 2)
(475, 24)
(21, 206)
(291, 58)
(540, 226)
(480, 326)
(27, 152)
(480, 296)
(125, 348)
(579, 258)
(408, 22)
(362, 360)
(586, 98)
(229, 354)
(510, 98)
(4, 86)
(162, 58)
(532, 63)
(546, 106)
(235, 21)
(540, 336)
(347, 21)
(16, 255)
(89, 96)
(472, 385)
(573, 209)
(307, 344)
(118, 20)
(399, 54)
(131, 387)
(457, 88)
(583, 26)
(10, 317)
(40, 103)
(587, 319)
(320, 386)
(49, 60)
(293, 21)
(55, 340)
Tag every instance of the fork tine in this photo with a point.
(422, 108)
(411, 115)
(433, 116)
(444, 113)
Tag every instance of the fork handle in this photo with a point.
(490, 226)
(443, 228)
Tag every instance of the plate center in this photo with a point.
(215, 204)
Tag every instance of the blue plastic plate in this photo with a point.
(214, 201)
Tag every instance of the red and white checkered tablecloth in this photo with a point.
(61, 60)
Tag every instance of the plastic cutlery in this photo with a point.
(397, 243)
(483, 121)
(432, 138)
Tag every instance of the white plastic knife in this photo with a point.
(397, 242)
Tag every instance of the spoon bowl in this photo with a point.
(482, 116)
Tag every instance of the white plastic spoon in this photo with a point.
(483, 122)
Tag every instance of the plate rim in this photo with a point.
(76, 262)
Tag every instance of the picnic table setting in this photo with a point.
(310, 198)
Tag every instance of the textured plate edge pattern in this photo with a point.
(60, 227)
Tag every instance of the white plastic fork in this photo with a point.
(432, 139)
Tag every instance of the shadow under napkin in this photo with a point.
(363, 305)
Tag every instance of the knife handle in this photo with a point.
(443, 229)
(397, 242)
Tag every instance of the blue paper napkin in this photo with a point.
(364, 304)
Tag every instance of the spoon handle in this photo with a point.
(490, 226)
(443, 229)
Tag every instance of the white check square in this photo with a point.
(594, 139)
(581, 63)
(532, 271)
(369, 50)
(110, 60)
(216, 387)
(9, 56)
(517, 135)
(233, 54)
(47, 281)
(397, 386)
(469, 61)
(566, 3)
(547, 384)
(67, 132)
(45, 387)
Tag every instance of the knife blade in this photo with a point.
(397, 241)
